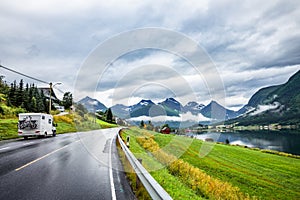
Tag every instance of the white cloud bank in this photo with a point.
(263, 108)
(182, 118)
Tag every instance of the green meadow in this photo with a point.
(248, 173)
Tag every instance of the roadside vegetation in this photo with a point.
(74, 122)
(23, 98)
(227, 172)
(65, 124)
(8, 128)
(172, 184)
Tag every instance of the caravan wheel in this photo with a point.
(54, 133)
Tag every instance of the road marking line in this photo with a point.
(112, 185)
(4, 148)
(27, 143)
(40, 158)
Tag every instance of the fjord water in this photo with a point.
(285, 140)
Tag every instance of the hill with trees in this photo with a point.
(274, 104)
(23, 97)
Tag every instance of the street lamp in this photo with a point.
(51, 86)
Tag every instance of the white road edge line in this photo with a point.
(4, 148)
(27, 143)
(112, 185)
(40, 158)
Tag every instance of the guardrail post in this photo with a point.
(127, 141)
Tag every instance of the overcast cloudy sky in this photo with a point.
(252, 44)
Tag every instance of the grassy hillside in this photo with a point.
(65, 124)
(251, 172)
(287, 95)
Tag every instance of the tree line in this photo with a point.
(28, 97)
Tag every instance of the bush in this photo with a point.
(64, 118)
(10, 112)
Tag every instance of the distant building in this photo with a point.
(58, 107)
(54, 100)
(165, 130)
(46, 92)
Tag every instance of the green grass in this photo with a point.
(265, 176)
(63, 127)
(258, 174)
(104, 124)
(170, 183)
(85, 125)
(8, 129)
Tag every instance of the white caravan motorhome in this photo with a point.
(36, 124)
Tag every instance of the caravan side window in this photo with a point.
(43, 116)
(49, 121)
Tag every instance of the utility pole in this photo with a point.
(50, 84)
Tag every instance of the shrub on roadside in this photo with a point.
(10, 112)
(64, 118)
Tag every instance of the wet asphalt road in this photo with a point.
(69, 166)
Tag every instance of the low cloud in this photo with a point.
(183, 117)
(263, 108)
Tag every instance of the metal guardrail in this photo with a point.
(151, 185)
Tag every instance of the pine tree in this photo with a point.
(20, 94)
(40, 103)
(4, 90)
(142, 125)
(29, 102)
(12, 94)
(36, 99)
(34, 104)
(26, 97)
(46, 107)
(109, 116)
(67, 100)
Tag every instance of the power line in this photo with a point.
(59, 90)
(29, 77)
(24, 75)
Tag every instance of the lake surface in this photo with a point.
(285, 141)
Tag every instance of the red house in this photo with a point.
(165, 130)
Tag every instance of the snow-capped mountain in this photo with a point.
(169, 107)
(143, 103)
(141, 109)
(193, 107)
(92, 105)
(172, 104)
(272, 104)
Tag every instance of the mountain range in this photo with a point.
(92, 105)
(280, 103)
(169, 107)
(274, 104)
